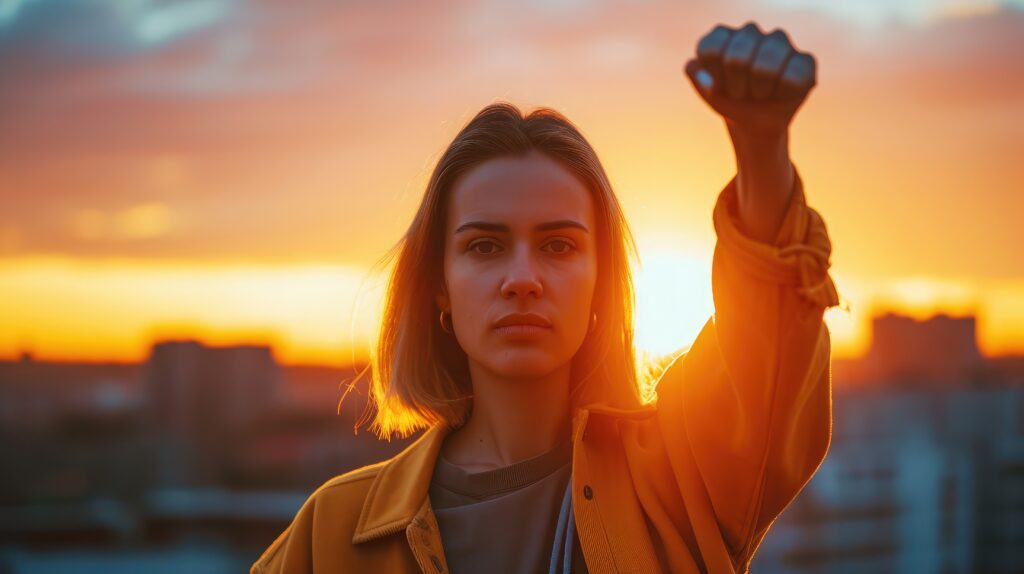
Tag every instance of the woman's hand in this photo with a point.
(756, 82)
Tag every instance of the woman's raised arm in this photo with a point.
(753, 393)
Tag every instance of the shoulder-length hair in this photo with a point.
(419, 374)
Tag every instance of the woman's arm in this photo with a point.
(753, 393)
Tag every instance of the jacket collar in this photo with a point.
(400, 488)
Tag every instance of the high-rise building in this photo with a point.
(941, 348)
(201, 400)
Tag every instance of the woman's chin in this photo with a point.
(524, 363)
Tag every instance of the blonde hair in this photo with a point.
(418, 373)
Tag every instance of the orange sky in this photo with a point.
(232, 170)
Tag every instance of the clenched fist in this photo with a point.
(756, 81)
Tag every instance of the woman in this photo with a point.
(507, 334)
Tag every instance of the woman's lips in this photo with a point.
(522, 331)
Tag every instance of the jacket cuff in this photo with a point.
(799, 256)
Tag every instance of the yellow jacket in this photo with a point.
(690, 483)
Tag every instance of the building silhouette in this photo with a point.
(941, 348)
(201, 401)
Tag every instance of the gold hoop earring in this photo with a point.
(443, 327)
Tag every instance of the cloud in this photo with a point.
(165, 22)
(874, 13)
(143, 221)
(92, 28)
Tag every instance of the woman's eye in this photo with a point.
(560, 246)
(484, 247)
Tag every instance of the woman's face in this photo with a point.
(520, 265)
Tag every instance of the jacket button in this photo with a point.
(588, 493)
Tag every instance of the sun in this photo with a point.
(673, 300)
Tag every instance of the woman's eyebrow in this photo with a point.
(500, 227)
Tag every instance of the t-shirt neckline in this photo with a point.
(496, 481)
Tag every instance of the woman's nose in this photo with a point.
(522, 279)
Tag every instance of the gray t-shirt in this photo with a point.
(504, 519)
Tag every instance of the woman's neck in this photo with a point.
(511, 420)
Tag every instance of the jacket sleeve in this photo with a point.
(753, 393)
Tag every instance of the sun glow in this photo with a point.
(63, 309)
(73, 310)
(673, 293)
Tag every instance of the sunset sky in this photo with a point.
(232, 170)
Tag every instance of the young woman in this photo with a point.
(507, 334)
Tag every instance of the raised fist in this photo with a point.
(756, 81)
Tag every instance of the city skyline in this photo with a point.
(205, 453)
